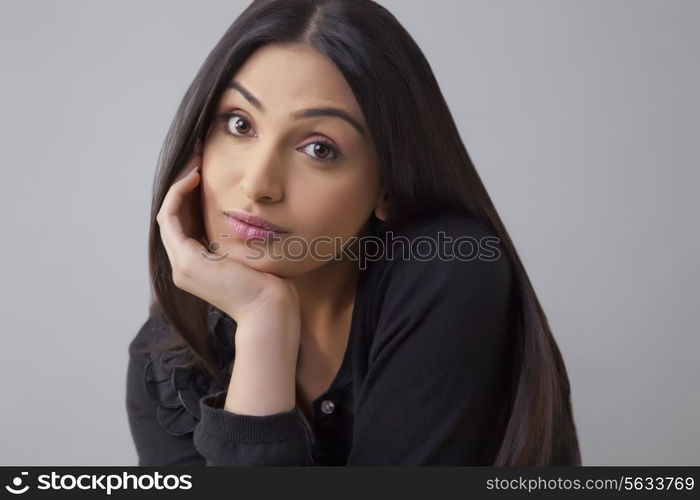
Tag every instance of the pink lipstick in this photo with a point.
(249, 226)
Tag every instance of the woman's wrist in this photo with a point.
(272, 300)
(271, 321)
(264, 371)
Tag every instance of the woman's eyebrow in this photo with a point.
(304, 113)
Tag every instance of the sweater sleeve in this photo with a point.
(228, 438)
(439, 363)
(167, 430)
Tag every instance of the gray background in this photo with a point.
(583, 119)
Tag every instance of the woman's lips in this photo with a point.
(254, 220)
(248, 231)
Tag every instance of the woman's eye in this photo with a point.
(322, 151)
(236, 124)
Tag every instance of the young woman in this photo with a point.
(277, 335)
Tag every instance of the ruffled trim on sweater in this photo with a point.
(176, 389)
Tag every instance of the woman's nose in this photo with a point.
(262, 179)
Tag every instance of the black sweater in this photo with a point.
(425, 379)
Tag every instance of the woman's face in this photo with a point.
(314, 175)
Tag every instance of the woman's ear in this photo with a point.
(381, 210)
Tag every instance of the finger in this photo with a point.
(183, 251)
(171, 229)
(194, 161)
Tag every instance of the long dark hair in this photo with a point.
(423, 163)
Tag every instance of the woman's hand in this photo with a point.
(233, 287)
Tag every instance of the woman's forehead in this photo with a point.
(294, 76)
